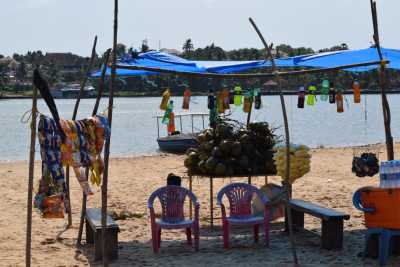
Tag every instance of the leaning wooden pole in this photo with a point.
(30, 180)
(95, 109)
(382, 85)
(75, 112)
(108, 140)
(287, 138)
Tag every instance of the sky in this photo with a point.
(70, 25)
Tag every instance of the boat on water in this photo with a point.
(179, 141)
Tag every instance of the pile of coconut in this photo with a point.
(232, 149)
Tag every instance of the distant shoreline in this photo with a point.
(125, 94)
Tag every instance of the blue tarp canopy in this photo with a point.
(166, 61)
(347, 57)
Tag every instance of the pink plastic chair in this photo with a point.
(240, 196)
(172, 200)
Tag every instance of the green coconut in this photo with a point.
(236, 149)
(210, 164)
(220, 169)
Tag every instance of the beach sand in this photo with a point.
(330, 183)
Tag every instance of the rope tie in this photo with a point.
(27, 116)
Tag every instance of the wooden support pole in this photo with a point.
(95, 109)
(269, 55)
(104, 185)
(75, 111)
(382, 84)
(30, 180)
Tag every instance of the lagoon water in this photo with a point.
(134, 130)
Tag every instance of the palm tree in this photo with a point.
(188, 47)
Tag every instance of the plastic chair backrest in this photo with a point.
(240, 196)
(172, 199)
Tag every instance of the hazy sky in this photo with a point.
(70, 25)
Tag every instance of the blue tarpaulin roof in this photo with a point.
(166, 61)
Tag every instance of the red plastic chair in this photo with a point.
(172, 200)
(240, 196)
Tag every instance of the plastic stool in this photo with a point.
(385, 246)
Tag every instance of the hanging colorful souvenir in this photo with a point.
(332, 94)
(225, 97)
(238, 96)
(165, 98)
(339, 102)
(301, 97)
(167, 113)
(171, 124)
(211, 100)
(247, 102)
(220, 103)
(311, 95)
(257, 99)
(231, 97)
(356, 92)
(324, 90)
(213, 111)
(186, 99)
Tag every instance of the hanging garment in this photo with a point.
(52, 189)
(165, 98)
(186, 99)
(301, 97)
(311, 95)
(238, 96)
(324, 90)
(356, 92)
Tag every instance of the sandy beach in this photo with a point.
(330, 183)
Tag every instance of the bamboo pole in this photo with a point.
(287, 137)
(75, 111)
(252, 75)
(382, 84)
(107, 144)
(95, 109)
(30, 180)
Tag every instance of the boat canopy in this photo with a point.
(162, 60)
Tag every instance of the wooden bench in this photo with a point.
(332, 221)
(94, 235)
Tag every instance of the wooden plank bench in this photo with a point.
(94, 235)
(332, 222)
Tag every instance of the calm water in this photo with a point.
(135, 131)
